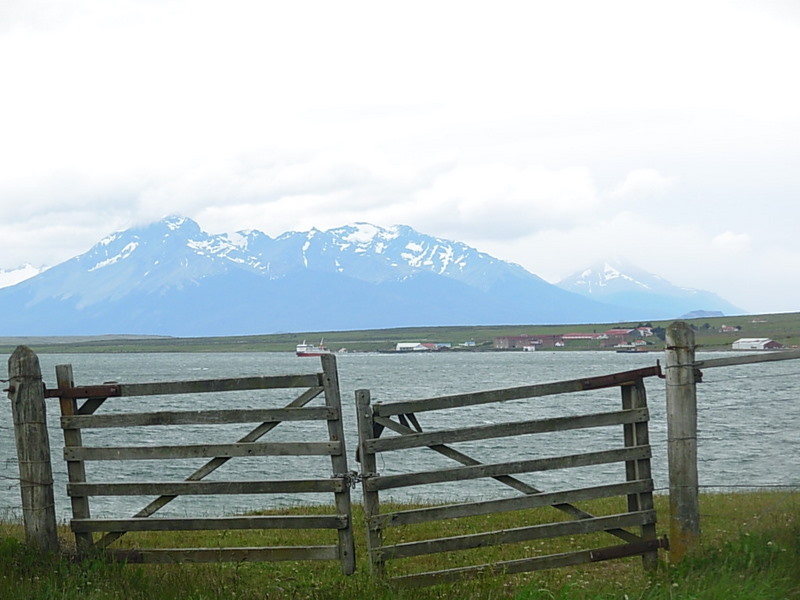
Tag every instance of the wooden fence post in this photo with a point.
(682, 439)
(76, 471)
(347, 545)
(369, 467)
(26, 392)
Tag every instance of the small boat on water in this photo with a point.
(311, 350)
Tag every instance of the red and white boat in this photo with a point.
(311, 350)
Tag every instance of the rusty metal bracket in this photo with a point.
(85, 391)
(615, 379)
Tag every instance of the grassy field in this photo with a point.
(783, 328)
(750, 550)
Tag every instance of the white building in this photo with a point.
(411, 347)
(755, 344)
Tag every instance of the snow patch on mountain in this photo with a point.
(610, 273)
(413, 260)
(108, 240)
(174, 223)
(361, 233)
(126, 251)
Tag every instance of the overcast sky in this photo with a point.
(550, 134)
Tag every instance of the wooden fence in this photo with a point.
(80, 412)
(402, 418)
(80, 405)
(683, 373)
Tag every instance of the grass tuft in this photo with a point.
(750, 550)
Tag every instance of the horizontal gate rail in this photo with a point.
(204, 451)
(77, 417)
(207, 488)
(199, 386)
(206, 417)
(213, 524)
(515, 393)
(519, 534)
(206, 555)
(747, 359)
(469, 434)
(633, 454)
(492, 470)
(488, 507)
(512, 567)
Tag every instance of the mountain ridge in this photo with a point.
(172, 278)
(616, 281)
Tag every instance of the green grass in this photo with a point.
(750, 549)
(783, 327)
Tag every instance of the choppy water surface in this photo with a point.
(749, 420)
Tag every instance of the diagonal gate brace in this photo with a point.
(211, 465)
(513, 482)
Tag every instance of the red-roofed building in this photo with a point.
(619, 332)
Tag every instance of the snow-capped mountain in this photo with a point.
(617, 282)
(172, 278)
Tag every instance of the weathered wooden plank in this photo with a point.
(747, 359)
(77, 392)
(637, 434)
(76, 470)
(383, 482)
(468, 434)
(512, 482)
(518, 534)
(525, 565)
(330, 381)
(682, 439)
(204, 451)
(514, 393)
(29, 413)
(194, 488)
(199, 386)
(369, 467)
(469, 509)
(205, 555)
(265, 382)
(204, 417)
(215, 463)
(89, 406)
(212, 523)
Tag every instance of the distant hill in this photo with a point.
(701, 314)
(619, 283)
(172, 278)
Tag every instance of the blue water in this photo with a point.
(748, 422)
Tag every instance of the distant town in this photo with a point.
(635, 339)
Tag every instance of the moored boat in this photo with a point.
(311, 350)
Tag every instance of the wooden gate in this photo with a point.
(79, 408)
(632, 451)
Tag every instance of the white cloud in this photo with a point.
(642, 184)
(545, 133)
(503, 201)
(731, 243)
